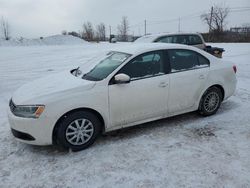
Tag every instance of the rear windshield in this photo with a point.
(145, 39)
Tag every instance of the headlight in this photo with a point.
(26, 111)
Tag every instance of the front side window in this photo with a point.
(106, 66)
(145, 65)
(181, 60)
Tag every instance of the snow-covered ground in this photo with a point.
(183, 151)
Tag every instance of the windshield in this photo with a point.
(106, 66)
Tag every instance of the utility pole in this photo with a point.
(211, 19)
(179, 25)
(110, 33)
(110, 30)
(145, 26)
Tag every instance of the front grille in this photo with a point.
(12, 106)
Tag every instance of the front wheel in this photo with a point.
(210, 101)
(78, 130)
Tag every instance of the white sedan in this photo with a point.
(129, 86)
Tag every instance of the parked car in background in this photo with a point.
(192, 39)
(129, 86)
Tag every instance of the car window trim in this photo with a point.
(189, 69)
(152, 76)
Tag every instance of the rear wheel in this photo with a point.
(210, 101)
(78, 130)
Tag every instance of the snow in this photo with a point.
(182, 151)
(51, 40)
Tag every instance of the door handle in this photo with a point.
(201, 77)
(163, 84)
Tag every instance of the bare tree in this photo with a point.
(5, 28)
(220, 15)
(216, 18)
(123, 29)
(101, 32)
(88, 31)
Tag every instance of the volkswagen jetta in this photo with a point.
(129, 86)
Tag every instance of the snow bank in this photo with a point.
(51, 40)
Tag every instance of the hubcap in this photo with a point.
(79, 131)
(211, 102)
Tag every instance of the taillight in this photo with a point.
(235, 69)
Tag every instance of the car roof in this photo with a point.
(152, 37)
(138, 48)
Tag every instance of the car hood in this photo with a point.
(59, 83)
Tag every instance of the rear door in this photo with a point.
(188, 75)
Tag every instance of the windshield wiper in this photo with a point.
(90, 78)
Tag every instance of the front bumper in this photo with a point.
(31, 131)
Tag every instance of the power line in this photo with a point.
(191, 16)
(179, 25)
(238, 7)
(184, 17)
(240, 10)
(137, 24)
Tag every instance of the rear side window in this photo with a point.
(181, 39)
(194, 40)
(182, 60)
(203, 61)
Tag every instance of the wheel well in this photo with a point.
(221, 88)
(216, 85)
(99, 116)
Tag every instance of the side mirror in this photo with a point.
(122, 78)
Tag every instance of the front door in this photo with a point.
(145, 97)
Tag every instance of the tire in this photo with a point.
(210, 101)
(78, 130)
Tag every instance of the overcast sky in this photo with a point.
(35, 18)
